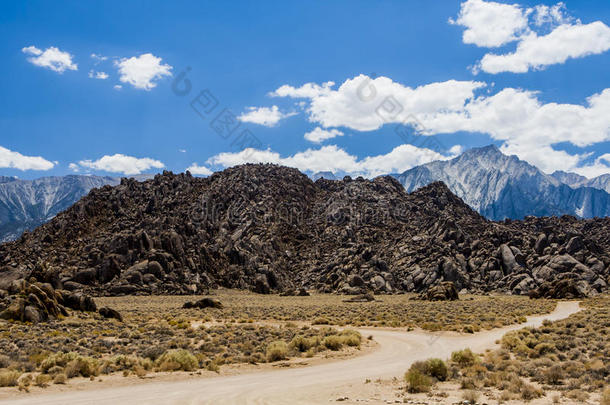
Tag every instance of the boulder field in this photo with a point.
(270, 229)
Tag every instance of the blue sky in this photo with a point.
(529, 77)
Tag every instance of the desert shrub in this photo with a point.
(529, 392)
(351, 337)
(42, 380)
(303, 344)
(435, 368)
(605, 399)
(60, 378)
(470, 396)
(320, 321)
(464, 358)
(154, 352)
(333, 342)
(140, 371)
(544, 348)
(5, 361)
(212, 366)
(276, 351)
(578, 395)
(176, 360)
(9, 378)
(24, 382)
(554, 375)
(57, 360)
(417, 381)
(84, 366)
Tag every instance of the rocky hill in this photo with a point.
(270, 228)
(500, 186)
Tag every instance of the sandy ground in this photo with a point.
(355, 380)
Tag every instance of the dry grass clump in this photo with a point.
(422, 375)
(9, 378)
(276, 351)
(605, 399)
(177, 360)
(417, 381)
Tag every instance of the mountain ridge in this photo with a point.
(500, 186)
(269, 228)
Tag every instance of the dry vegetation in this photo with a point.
(158, 335)
(470, 314)
(570, 358)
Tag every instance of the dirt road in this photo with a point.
(310, 385)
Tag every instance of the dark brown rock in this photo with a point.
(445, 291)
(268, 229)
(204, 303)
(107, 312)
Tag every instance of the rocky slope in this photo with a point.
(269, 228)
(27, 204)
(500, 186)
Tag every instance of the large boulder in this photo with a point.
(87, 276)
(261, 285)
(110, 313)
(204, 303)
(77, 301)
(445, 291)
(509, 263)
(568, 286)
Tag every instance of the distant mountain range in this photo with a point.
(27, 204)
(575, 180)
(495, 185)
(500, 186)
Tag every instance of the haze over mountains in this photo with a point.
(500, 186)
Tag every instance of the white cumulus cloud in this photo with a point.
(526, 126)
(334, 159)
(98, 58)
(318, 134)
(51, 58)
(308, 90)
(15, 160)
(98, 75)
(537, 52)
(199, 170)
(544, 35)
(366, 104)
(266, 116)
(490, 24)
(119, 163)
(143, 71)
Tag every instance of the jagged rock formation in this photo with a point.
(271, 229)
(37, 302)
(500, 186)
